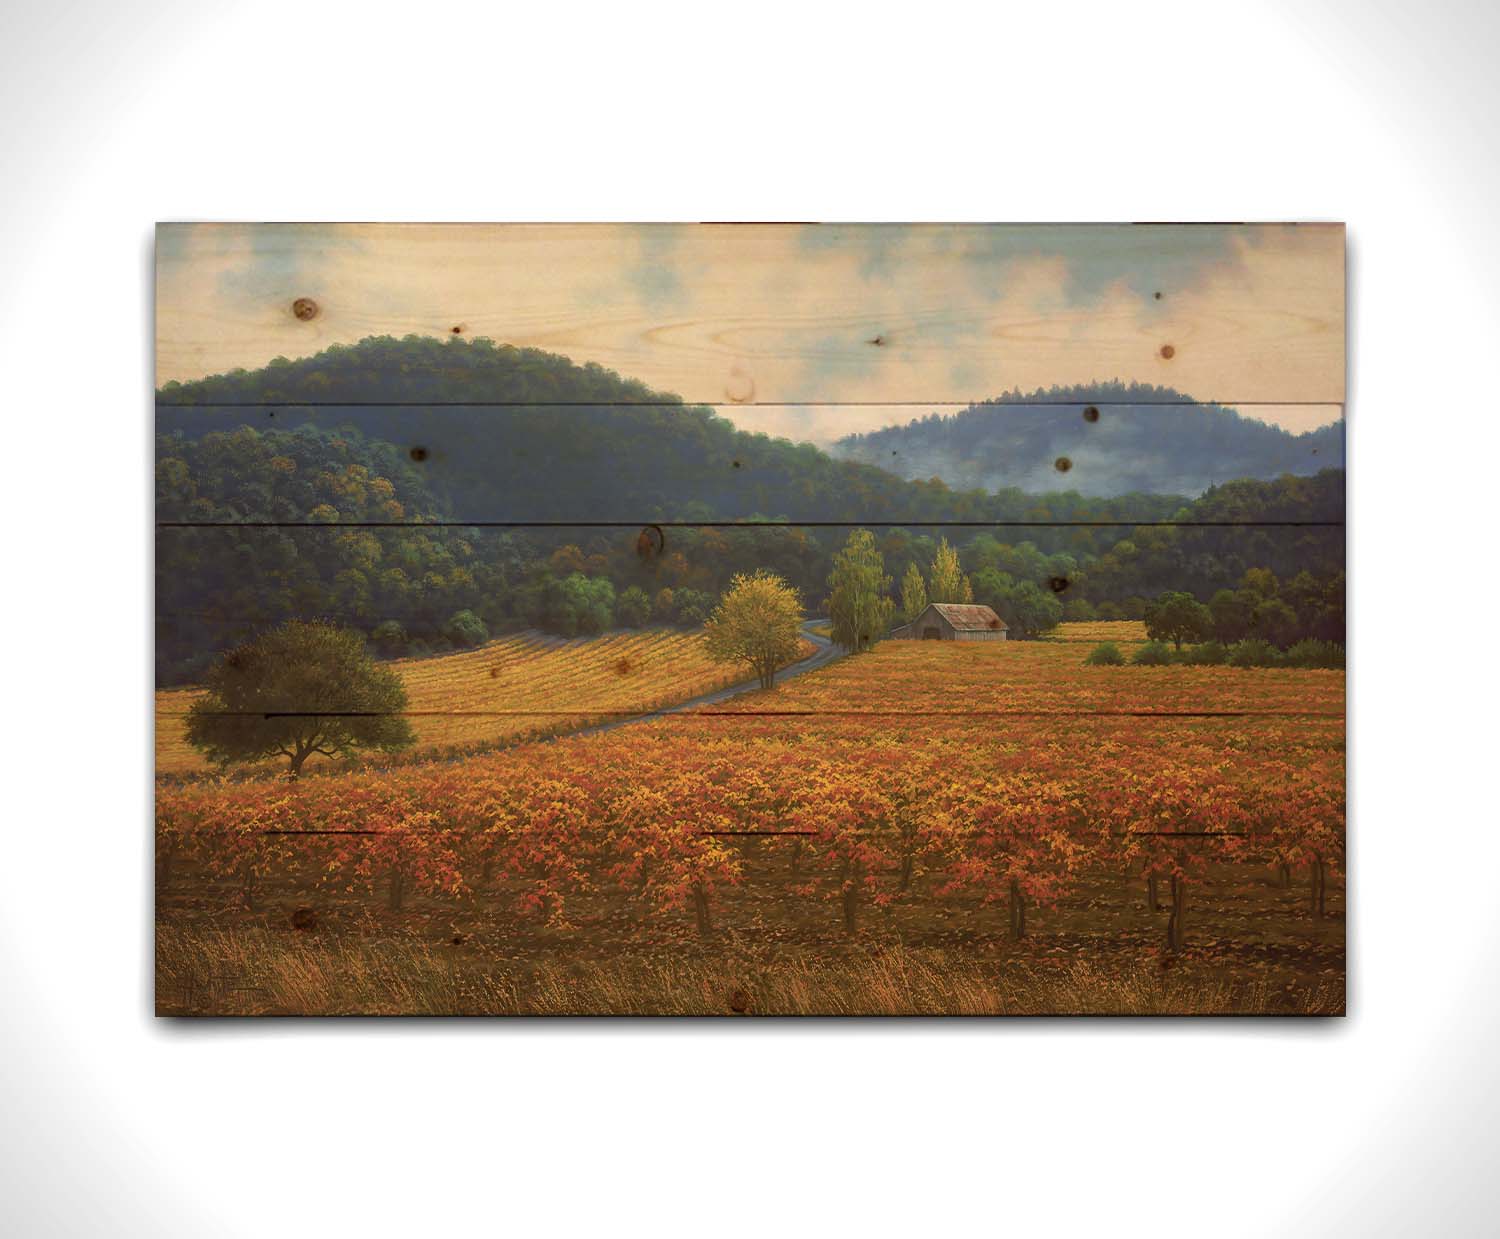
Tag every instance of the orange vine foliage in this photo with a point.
(927, 766)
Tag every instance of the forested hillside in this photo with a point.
(1142, 438)
(587, 446)
(529, 436)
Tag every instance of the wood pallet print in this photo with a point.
(750, 620)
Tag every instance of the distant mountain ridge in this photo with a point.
(520, 434)
(1145, 438)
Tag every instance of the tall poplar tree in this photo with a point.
(913, 593)
(947, 580)
(857, 602)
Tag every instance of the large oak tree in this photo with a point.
(299, 689)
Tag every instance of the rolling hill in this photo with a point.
(519, 434)
(1144, 439)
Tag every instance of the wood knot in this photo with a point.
(650, 542)
(305, 308)
(1091, 414)
(739, 1001)
(740, 388)
(1062, 464)
(1168, 352)
(418, 454)
(1057, 584)
(304, 919)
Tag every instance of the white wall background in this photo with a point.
(114, 115)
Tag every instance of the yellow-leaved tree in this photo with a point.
(758, 621)
(913, 593)
(948, 582)
(857, 602)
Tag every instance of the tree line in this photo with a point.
(300, 516)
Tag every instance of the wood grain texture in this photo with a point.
(749, 314)
(518, 588)
(488, 457)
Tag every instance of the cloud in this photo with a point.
(803, 314)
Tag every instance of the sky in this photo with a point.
(806, 331)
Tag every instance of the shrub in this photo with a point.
(633, 607)
(389, 638)
(465, 629)
(1153, 654)
(1208, 654)
(692, 606)
(1308, 654)
(1105, 654)
(1253, 652)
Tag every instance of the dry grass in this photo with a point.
(248, 971)
(1119, 631)
(520, 685)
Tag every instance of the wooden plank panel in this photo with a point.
(456, 589)
(562, 463)
(220, 585)
(740, 314)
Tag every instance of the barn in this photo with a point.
(952, 621)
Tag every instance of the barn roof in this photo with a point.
(969, 618)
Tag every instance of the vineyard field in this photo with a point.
(995, 827)
(519, 686)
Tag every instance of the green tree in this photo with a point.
(1026, 609)
(857, 602)
(1079, 610)
(1272, 620)
(1178, 617)
(1229, 611)
(299, 689)
(947, 580)
(1029, 611)
(1304, 594)
(913, 593)
(465, 628)
(691, 607)
(759, 622)
(633, 607)
(1260, 581)
(389, 637)
(570, 605)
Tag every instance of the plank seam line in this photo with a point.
(211, 405)
(910, 523)
(706, 713)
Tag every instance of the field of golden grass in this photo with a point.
(523, 685)
(251, 971)
(1121, 632)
